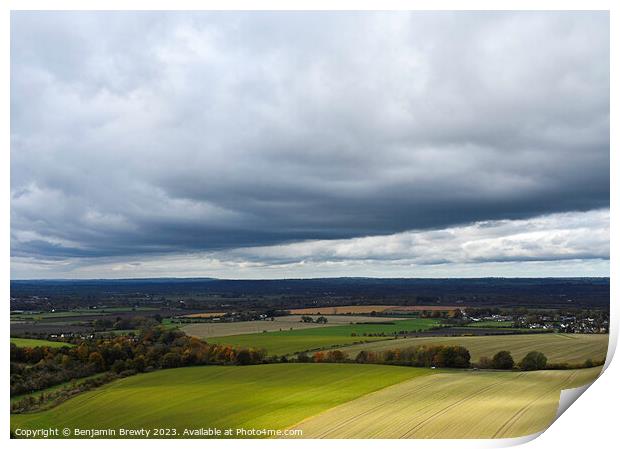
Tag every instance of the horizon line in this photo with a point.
(303, 278)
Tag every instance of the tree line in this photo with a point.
(441, 356)
(38, 368)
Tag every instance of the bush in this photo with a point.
(336, 356)
(171, 360)
(318, 357)
(533, 361)
(485, 363)
(361, 357)
(451, 357)
(244, 357)
(503, 360)
(303, 358)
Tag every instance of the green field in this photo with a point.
(559, 348)
(323, 400)
(458, 404)
(32, 343)
(260, 396)
(289, 342)
(280, 323)
(77, 313)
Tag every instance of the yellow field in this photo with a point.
(464, 404)
(204, 315)
(559, 348)
(338, 310)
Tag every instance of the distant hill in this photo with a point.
(578, 292)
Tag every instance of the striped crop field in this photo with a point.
(321, 400)
(559, 348)
(464, 404)
(253, 397)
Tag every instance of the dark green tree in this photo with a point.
(533, 361)
(503, 360)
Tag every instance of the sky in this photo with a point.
(296, 144)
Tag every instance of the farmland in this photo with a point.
(323, 400)
(204, 315)
(559, 348)
(32, 343)
(259, 396)
(343, 319)
(80, 312)
(289, 342)
(343, 310)
(134, 363)
(208, 330)
(281, 323)
(452, 405)
(55, 388)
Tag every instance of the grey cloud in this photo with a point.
(567, 236)
(153, 133)
(567, 244)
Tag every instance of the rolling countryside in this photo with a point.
(260, 396)
(452, 405)
(324, 401)
(293, 341)
(559, 348)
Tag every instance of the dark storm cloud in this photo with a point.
(150, 133)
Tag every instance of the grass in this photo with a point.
(345, 319)
(281, 323)
(559, 348)
(32, 343)
(78, 312)
(260, 396)
(62, 386)
(323, 400)
(289, 342)
(208, 330)
(463, 404)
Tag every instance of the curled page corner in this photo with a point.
(568, 398)
(510, 442)
(570, 395)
